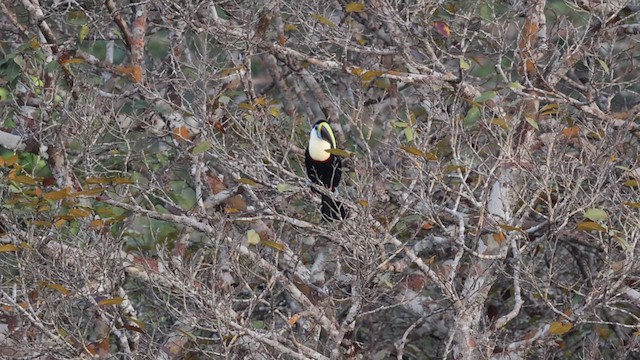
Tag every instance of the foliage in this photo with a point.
(153, 203)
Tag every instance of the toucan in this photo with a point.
(325, 169)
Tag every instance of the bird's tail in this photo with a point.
(332, 210)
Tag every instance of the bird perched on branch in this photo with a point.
(324, 168)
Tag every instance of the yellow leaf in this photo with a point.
(262, 101)
(253, 237)
(431, 156)
(631, 183)
(97, 223)
(272, 244)
(339, 152)
(98, 180)
(590, 226)
(34, 43)
(8, 248)
(275, 111)
(635, 205)
(363, 203)
(72, 61)
(357, 71)
(90, 192)
(549, 109)
(371, 74)
(42, 223)
(57, 195)
(560, 327)
(25, 179)
(123, 181)
(246, 106)
(247, 181)
(290, 27)
(58, 224)
(323, 20)
(57, 287)
(112, 301)
(354, 7)
(413, 151)
(78, 212)
(500, 122)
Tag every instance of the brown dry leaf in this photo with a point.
(442, 28)
(499, 237)
(181, 134)
(294, 319)
(571, 132)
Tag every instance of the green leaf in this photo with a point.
(464, 64)
(472, 116)
(532, 122)
(605, 67)
(283, 187)
(84, 31)
(401, 124)
(253, 237)
(594, 214)
(485, 96)
(19, 61)
(409, 134)
(201, 147)
(224, 100)
(623, 242)
(515, 86)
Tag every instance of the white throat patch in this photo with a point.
(317, 147)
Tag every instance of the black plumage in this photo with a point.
(325, 169)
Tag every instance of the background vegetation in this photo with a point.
(153, 203)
